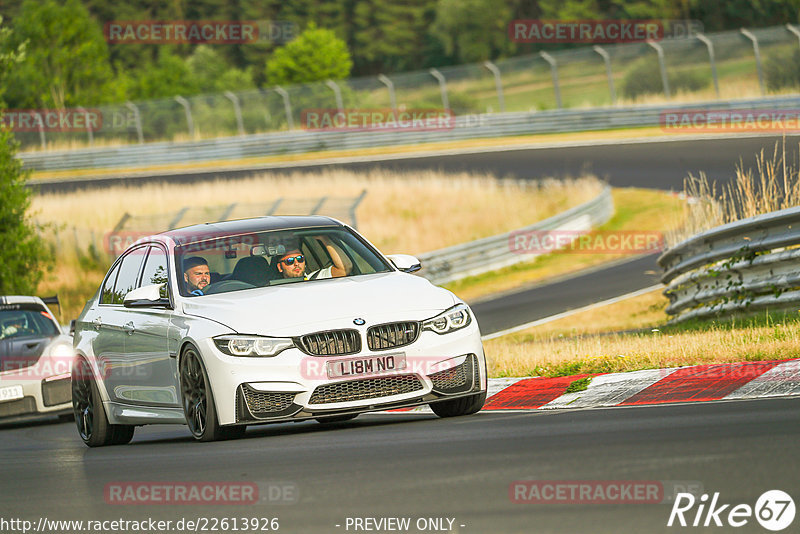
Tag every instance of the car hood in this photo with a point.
(297, 308)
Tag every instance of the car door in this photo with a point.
(153, 373)
(110, 323)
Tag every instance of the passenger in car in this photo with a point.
(293, 263)
(196, 274)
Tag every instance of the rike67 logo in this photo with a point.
(774, 510)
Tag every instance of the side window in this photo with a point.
(155, 270)
(128, 273)
(107, 294)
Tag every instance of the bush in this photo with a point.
(782, 69)
(23, 254)
(644, 77)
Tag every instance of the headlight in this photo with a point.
(252, 345)
(450, 320)
(62, 350)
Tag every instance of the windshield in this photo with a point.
(26, 320)
(224, 263)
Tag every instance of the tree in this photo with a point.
(22, 252)
(473, 30)
(316, 55)
(66, 61)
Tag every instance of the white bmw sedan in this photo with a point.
(219, 326)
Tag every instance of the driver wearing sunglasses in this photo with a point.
(293, 264)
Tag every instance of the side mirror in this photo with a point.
(146, 297)
(405, 263)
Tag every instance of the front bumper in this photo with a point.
(295, 386)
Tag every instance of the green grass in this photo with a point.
(578, 385)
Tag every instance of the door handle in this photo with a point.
(129, 328)
(97, 323)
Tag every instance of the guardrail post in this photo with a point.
(337, 93)
(554, 70)
(757, 53)
(794, 31)
(663, 66)
(40, 127)
(498, 82)
(88, 125)
(706, 41)
(353, 207)
(287, 105)
(237, 110)
(137, 118)
(609, 72)
(442, 87)
(389, 85)
(188, 110)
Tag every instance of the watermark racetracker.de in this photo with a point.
(578, 242)
(51, 120)
(603, 31)
(730, 121)
(200, 493)
(198, 31)
(377, 119)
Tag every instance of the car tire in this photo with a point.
(197, 400)
(462, 406)
(336, 418)
(89, 413)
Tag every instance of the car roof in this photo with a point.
(21, 299)
(254, 224)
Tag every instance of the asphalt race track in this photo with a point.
(661, 165)
(418, 466)
(527, 305)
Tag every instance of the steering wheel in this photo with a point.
(226, 285)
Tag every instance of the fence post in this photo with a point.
(40, 127)
(88, 125)
(662, 65)
(237, 110)
(174, 222)
(609, 72)
(389, 85)
(442, 86)
(287, 105)
(227, 213)
(337, 93)
(793, 30)
(274, 207)
(757, 53)
(318, 206)
(188, 110)
(554, 70)
(705, 40)
(138, 118)
(498, 82)
(354, 205)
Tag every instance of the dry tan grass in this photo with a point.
(576, 344)
(410, 213)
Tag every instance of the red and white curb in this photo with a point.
(698, 383)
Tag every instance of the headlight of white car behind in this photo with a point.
(252, 345)
(449, 320)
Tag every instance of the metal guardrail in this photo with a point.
(278, 143)
(740, 267)
(490, 253)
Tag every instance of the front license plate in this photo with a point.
(366, 366)
(11, 393)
